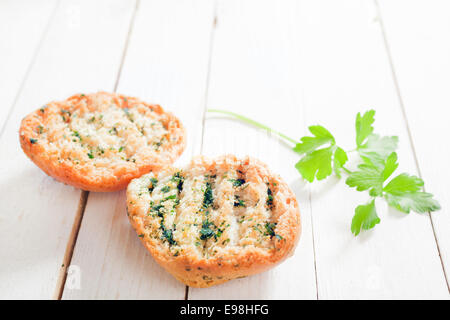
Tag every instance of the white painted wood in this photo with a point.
(80, 53)
(22, 25)
(166, 63)
(342, 68)
(334, 66)
(288, 64)
(251, 74)
(418, 35)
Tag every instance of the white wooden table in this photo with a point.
(288, 64)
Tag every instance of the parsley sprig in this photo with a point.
(320, 156)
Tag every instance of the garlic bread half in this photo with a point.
(215, 220)
(100, 141)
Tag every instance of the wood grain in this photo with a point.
(37, 212)
(19, 44)
(343, 69)
(420, 55)
(166, 63)
(251, 74)
(333, 65)
(288, 64)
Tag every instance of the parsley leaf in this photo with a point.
(363, 126)
(368, 177)
(319, 163)
(208, 197)
(167, 234)
(206, 232)
(340, 158)
(179, 179)
(418, 202)
(238, 202)
(171, 197)
(308, 144)
(269, 200)
(365, 218)
(237, 182)
(320, 156)
(404, 193)
(316, 164)
(369, 144)
(372, 174)
(270, 229)
(390, 166)
(378, 146)
(403, 183)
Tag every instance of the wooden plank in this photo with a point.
(22, 25)
(166, 63)
(333, 66)
(420, 53)
(343, 68)
(251, 74)
(37, 212)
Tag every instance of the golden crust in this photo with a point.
(71, 141)
(189, 264)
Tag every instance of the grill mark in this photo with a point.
(251, 226)
(207, 211)
(222, 216)
(234, 227)
(241, 212)
(179, 187)
(192, 210)
(163, 205)
(187, 212)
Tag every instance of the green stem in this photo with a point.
(252, 122)
(346, 170)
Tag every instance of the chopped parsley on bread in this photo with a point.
(215, 220)
(100, 141)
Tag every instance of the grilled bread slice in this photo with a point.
(216, 220)
(100, 141)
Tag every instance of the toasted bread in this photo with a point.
(216, 220)
(100, 141)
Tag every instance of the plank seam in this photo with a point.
(208, 74)
(405, 118)
(60, 284)
(28, 70)
(85, 194)
(311, 214)
(127, 42)
(313, 244)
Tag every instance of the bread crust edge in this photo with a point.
(69, 175)
(202, 273)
